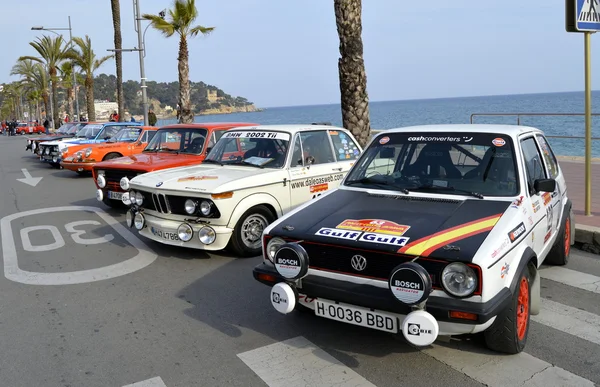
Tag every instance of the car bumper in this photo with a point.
(154, 226)
(380, 299)
(77, 167)
(50, 159)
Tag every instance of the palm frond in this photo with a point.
(201, 30)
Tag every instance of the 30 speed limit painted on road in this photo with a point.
(57, 232)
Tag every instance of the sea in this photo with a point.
(395, 114)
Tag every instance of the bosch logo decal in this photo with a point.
(407, 285)
(289, 262)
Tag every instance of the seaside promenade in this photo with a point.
(587, 227)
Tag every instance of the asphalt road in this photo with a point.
(84, 302)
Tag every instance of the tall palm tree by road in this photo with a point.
(52, 52)
(116, 16)
(35, 77)
(179, 21)
(351, 66)
(85, 58)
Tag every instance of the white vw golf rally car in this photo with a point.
(436, 230)
(252, 176)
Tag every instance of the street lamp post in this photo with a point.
(39, 28)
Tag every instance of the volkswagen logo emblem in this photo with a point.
(358, 262)
(159, 184)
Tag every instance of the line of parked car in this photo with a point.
(430, 230)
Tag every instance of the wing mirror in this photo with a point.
(544, 185)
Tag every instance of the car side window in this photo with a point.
(548, 155)
(144, 137)
(533, 161)
(151, 135)
(345, 147)
(316, 148)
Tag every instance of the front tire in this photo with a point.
(508, 333)
(246, 240)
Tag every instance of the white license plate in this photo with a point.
(357, 316)
(115, 195)
(167, 235)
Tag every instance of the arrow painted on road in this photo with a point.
(32, 181)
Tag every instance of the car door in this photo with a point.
(541, 215)
(314, 169)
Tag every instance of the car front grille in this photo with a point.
(379, 264)
(168, 204)
(113, 178)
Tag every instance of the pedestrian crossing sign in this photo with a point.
(587, 13)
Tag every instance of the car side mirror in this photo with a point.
(544, 185)
(387, 153)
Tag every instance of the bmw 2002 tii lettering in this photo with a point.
(234, 195)
(436, 230)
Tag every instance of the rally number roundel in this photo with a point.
(291, 261)
(410, 283)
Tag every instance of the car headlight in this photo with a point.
(64, 151)
(139, 198)
(87, 152)
(205, 208)
(101, 181)
(78, 155)
(459, 279)
(207, 235)
(185, 232)
(272, 247)
(139, 221)
(124, 183)
(190, 206)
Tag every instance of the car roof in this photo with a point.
(295, 128)
(209, 125)
(511, 130)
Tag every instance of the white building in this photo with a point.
(104, 108)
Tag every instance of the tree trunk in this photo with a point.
(89, 96)
(185, 104)
(46, 98)
(54, 97)
(116, 14)
(353, 78)
(70, 101)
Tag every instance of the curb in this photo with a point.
(588, 237)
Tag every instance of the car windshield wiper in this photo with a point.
(376, 182)
(211, 161)
(440, 188)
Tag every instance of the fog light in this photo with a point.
(124, 183)
(129, 218)
(101, 181)
(54, 159)
(125, 199)
(99, 195)
(139, 221)
(185, 232)
(207, 235)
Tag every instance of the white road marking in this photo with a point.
(144, 257)
(32, 181)
(298, 362)
(28, 246)
(154, 382)
(573, 321)
(497, 370)
(572, 278)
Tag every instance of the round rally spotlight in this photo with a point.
(420, 328)
(124, 183)
(283, 298)
(185, 232)
(126, 199)
(291, 261)
(139, 221)
(99, 195)
(129, 218)
(410, 283)
(101, 180)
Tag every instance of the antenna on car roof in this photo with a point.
(321, 123)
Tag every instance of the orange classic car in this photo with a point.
(173, 146)
(128, 141)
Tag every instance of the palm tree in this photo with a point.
(66, 72)
(351, 65)
(85, 58)
(180, 20)
(52, 52)
(35, 78)
(116, 15)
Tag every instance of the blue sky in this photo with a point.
(284, 53)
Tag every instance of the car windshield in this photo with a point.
(75, 128)
(127, 134)
(22, 124)
(262, 149)
(64, 128)
(178, 140)
(474, 164)
(90, 131)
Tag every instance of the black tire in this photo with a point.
(111, 156)
(236, 243)
(505, 335)
(561, 251)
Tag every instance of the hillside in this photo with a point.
(206, 99)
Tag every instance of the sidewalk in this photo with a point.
(587, 227)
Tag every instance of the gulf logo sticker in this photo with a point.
(374, 226)
(498, 141)
(384, 140)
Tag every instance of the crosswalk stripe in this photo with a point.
(154, 382)
(497, 370)
(298, 362)
(572, 278)
(573, 321)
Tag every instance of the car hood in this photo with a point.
(65, 140)
(50, 138)
(207, 178)
(148, 162)
(444, 228)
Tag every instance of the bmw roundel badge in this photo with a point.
(159, 184)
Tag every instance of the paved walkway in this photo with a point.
(574, 171)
